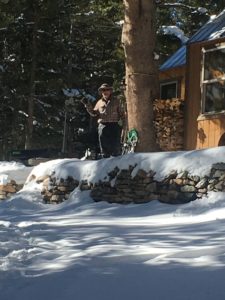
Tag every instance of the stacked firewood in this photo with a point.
(169, 124)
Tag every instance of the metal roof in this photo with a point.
(176, 60)
(213, 29)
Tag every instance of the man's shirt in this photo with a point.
(107, 110)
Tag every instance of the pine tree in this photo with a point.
(50, 46)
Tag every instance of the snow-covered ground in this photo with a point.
(98, 251)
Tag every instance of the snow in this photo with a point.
(77, 93)
(174, 30)
(217, 34)
(85, 250)
(196, 162)
(202, 10)
(14, 171)
(23, 113)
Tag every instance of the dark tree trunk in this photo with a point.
(29, 132)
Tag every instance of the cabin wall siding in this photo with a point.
(172, 75)
(210, 131)
(193, 96)
(200, 131)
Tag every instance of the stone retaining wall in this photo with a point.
(9, 189)
(121, 187)
(57, 190)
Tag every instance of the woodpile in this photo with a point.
(169, 124)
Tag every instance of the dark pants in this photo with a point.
(109, 139)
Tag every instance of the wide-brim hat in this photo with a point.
(105, 86)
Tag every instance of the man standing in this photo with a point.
(108, 112)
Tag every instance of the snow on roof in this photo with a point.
(213, 29)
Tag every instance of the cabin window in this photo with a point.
(168, 90)
(213, 80)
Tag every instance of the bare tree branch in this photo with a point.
(176, 4)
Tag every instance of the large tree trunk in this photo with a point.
(29, 132)
(138, 39)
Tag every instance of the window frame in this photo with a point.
(204, 82)
(168, 83)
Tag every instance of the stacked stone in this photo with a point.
(57, 190)
(9, 189)
(122, 187)
(176, 188)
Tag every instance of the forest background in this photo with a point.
(52, 53)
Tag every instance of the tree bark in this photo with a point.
(138, 38)
(29, 132)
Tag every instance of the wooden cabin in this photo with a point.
(196, 73)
